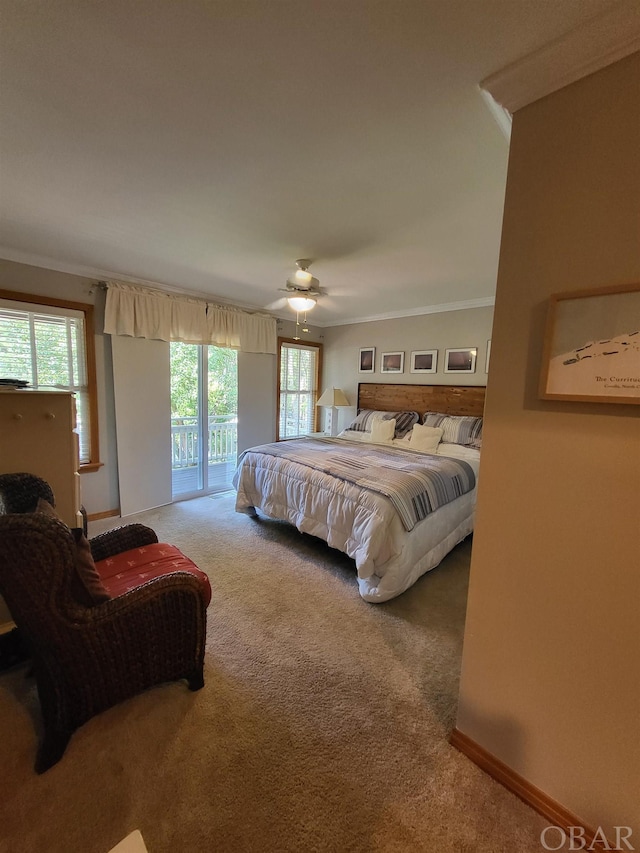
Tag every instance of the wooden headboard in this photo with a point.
(450, 399)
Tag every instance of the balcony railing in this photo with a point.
(222, 441)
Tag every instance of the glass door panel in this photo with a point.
(204, 395)
(186, 433)
(222, 416)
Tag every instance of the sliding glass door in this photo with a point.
(204, 419)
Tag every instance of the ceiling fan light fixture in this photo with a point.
(302, 273)
(303, 276)
(301, 303)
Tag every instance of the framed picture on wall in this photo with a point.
(392, 362)
(367, 360)
(461, 360)
(592, 346)
(424, 361)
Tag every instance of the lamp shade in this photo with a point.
(333, 397)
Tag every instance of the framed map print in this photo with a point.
(592, 346)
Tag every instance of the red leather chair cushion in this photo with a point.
(130, 569)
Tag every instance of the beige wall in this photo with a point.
(550, 667)
(447, 330)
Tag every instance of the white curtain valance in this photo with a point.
(144, 313)
(232, 327)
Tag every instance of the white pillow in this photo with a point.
(382, 431)
(425, 438)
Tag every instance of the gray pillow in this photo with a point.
(404, 421)
(456, 429)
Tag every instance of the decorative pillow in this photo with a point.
(457, 429)
(86, 587)
(90, 589)
(363, 420)
(425, 438)
(47, 509)
(382, 431)
(404, 421)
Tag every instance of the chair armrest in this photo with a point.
(121, 539)
(156, 598)
(158, 629)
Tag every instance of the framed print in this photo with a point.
(591, 349)
(486, 363)
(367, 360)
(424, 361)
(392, 362)
(461, 360)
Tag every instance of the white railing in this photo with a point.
(222, 441)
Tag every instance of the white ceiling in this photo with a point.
(204, 145)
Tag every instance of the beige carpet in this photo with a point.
(322, 725)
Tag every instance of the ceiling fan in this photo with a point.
(303, 291)
(304, 288)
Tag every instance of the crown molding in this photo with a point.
(95, 273)
(100, 274)
(484, 302)
(598, 42)
(28, 258)
(501, 116)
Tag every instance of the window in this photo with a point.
(298, 383)
(49, 343)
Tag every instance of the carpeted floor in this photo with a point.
(322, 725)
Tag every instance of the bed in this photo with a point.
(394, 496)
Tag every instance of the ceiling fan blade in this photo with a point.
(275, 306)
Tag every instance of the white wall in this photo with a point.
(256, 399)
(142, 382)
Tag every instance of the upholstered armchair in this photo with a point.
(98, 635)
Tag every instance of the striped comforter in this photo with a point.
(415, 484)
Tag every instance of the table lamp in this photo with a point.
(331, 399)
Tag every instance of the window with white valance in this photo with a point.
(144, 313)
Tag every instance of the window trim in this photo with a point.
(311, 344)
(89, 345)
